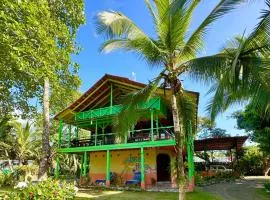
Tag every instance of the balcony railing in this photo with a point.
(135, 136)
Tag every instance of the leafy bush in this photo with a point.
(267, 186)
(8, 179)
(198, 178)
(49, 189)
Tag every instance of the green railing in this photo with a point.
(134, 136)
(154, 103)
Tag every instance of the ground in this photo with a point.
(249, 188)
(121, 195)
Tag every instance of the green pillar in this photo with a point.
(142, 169)
(60, 133)
(57, 168)
(108, 163)
(190, 151)
(85, 164)
(69, 135)
(96, 132)
(152, 124)
(111, 98)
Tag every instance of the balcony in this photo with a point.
(161, 136)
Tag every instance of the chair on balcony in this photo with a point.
(136, 179)
(103, 181)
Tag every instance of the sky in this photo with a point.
(94, 64)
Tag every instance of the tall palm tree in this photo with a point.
(174, 49)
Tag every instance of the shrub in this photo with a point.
(267, 186)
(49, 189)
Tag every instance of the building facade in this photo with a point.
(145, 155)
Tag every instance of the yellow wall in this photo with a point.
(125, 162)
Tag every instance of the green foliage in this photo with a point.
(251, 163)
(37, 39)
(240, 72)
(256, 125)
(23, 141)
(267, 186)
(49, 189)
(8, 180)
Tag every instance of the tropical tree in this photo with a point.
(173, 48)
(23, 141)
(36, 43)
(258, 128)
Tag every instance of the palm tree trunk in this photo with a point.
(46, 150)
(179, 149)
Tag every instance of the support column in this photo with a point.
(152, 124)
(85, 164)
(60, 133)
(190, 148)
(142, 169)
(57, 168)
(108, 165)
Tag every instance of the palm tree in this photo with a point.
(244, 73)
(22, 141)
(173, 49)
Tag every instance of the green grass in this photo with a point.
(121, 195)
(263, 194)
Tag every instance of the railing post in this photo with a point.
(142, 169)
(96, 132)
(60, 133)
(152, 124)
(85, 164)
(190, 148)
(157, 123)
(108, 165)
(69, 136)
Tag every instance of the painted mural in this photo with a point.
(124, 163)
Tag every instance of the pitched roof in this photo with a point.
(99, 94)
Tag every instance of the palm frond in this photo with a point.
(195, 42)
(207, 69)
(143, 47)
(130, 114)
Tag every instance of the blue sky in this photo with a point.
(95, 64)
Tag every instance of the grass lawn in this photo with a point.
(121, 195)
(263, 194)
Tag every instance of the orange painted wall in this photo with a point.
(125, 162)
